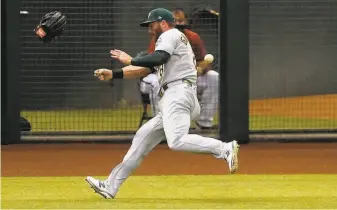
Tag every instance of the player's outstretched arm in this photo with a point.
(157, 58)
(128, 72)
(132, 72)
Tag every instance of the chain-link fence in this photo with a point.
(60, 93)
(292, 64)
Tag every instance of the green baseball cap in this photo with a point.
(158, 14)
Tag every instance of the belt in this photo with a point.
(173, 83)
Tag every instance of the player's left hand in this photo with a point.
(200, 71)
(122, 56)
(103, 74)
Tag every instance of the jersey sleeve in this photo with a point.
(166, 42)
(198, 47)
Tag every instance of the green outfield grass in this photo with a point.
(127, 120)
(176, 192)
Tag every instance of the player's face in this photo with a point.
(180, 18)
(155, 29)
(150, 31)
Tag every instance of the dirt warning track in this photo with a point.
(99, 159)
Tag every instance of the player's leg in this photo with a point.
(208, 89)
(145, 87)
(146, 138)
(150, 85)
(179, 107)
(154, 99)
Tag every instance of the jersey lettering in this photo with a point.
(195, 62)
(161, 72)
(182, 63)
(184, 39)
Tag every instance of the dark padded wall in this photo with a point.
(293, 47)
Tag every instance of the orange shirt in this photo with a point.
(196, 43)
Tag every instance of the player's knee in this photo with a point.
(212, 79)
(213, 75)
(175, 144)
(145, 88)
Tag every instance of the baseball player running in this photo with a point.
(175, 63)
(207, 82)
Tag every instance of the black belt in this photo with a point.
(166, 86)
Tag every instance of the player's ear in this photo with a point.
(162, 24)
(149, 30)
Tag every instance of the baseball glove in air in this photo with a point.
(51, 26)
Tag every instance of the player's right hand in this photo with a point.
(199, 71)
(103, 74)
(121, 56)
